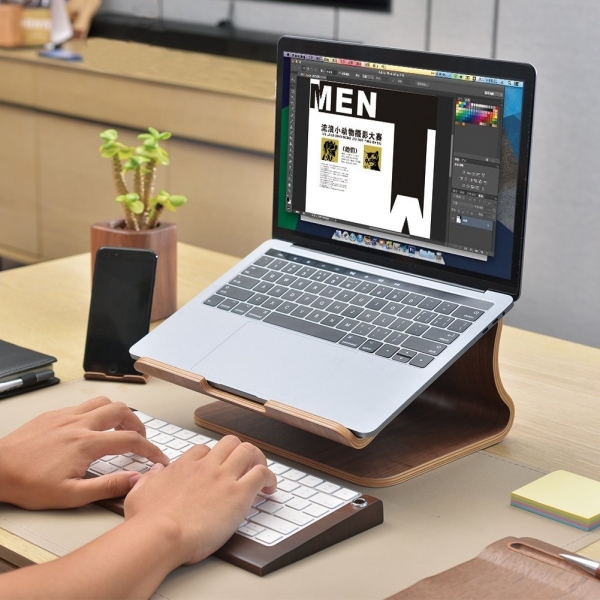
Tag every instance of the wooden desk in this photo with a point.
(555, 384)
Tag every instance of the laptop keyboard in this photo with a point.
(378, 315)
(300, 500)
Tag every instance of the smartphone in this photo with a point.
(120, 310)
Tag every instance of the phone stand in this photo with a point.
(141, 378)
(466, 409)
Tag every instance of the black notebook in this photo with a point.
(23, 370)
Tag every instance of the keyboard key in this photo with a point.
(272, 276)
(429, 303)
(330, 292)
(376, 304)
(370, 346)
(346, 494)
(230, 291)
(367, 315)
(278, 264)
(365, 287)
(332, 320)
(258, 313)
(400, 324)
(381, 291)
(413, 299)
(347, 325)
(328, 487)
(353, 341)
(350, 283)
(298, 503)
(392, 308)
(421, 360)
(271, 303)
(425, 346)
(281, 497)
(304, 326)
(244, 282)
(294, 516)
(156, 424)
(268, 536)
(363, 329)
(446, 308)
(214, 300)
(315, 510)
(143, 417)
(459, 326)
(352, 311)
(326, 501)
(184, 434)
(277, 291)
(269, 507)
(300, 284)
(292, 295)
(417, 329)
(305, 272)
(286, 280)
(379, 333)
(408, 312)
(384, 320)
(335, 280)
(361, 300)
(425, 317)
(400, 358)
(316, 316)
(275, 523)
(304, 492)
(301, 311)
(263, 261)
(199, 439)
(291, 268)
(311, 481)
(307, 299)
(468, 313)
(387, 351)
(337, 307)
(440, 335)
(294, 474)
(121, 461)
(287, 307)
(241, 308)
(345, 296)
(278, 468)
(442, 321)
(103, 468)
(396, 296)
(287, 485)
(258, 299)
(255, 271)
(170, 429)
(263, 287)
(315, 288)
(320, 275)
(227, 304)
(321, 303)
(396, 338)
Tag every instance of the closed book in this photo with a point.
(33, 368)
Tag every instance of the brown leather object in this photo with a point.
(509, 568)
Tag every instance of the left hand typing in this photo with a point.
(42, 464)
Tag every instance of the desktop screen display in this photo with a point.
(416, 163)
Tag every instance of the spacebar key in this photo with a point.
(314, 329)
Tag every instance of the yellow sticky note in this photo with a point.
(563, 496)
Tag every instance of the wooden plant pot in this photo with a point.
(162, 240)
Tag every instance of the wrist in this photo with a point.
(168, 536)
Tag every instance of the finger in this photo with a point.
(90, 405)
(260, 479)
(243, 458)
(113, 415)
(113, 485)
(102, 443)
(196, 453)
(225, 446)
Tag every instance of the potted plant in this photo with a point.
(134, 175)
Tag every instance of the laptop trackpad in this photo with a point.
(269, 363)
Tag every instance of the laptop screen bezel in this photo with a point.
(423, 60)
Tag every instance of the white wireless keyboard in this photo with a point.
(301, 502)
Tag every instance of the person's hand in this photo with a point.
(203, 496)
(42, 464)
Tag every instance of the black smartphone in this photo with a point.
(120, 309)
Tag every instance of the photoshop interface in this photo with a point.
(433, 140)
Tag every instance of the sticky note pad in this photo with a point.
(564, 497)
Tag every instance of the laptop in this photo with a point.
(398, 227)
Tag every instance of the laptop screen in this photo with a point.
(410, 160)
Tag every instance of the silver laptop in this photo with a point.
(398, 226)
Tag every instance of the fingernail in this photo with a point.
(133, 478)
(156, 466)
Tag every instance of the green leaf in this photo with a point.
(136, 207)
(155, 133)
(165, 136)
(109, 134)
(177, 200)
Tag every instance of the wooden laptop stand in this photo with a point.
(464, 410)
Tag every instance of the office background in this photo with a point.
(561, 273)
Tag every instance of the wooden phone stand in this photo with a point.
(464, 410)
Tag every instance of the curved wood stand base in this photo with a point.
(464, 410)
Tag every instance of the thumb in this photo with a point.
(113, 485)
